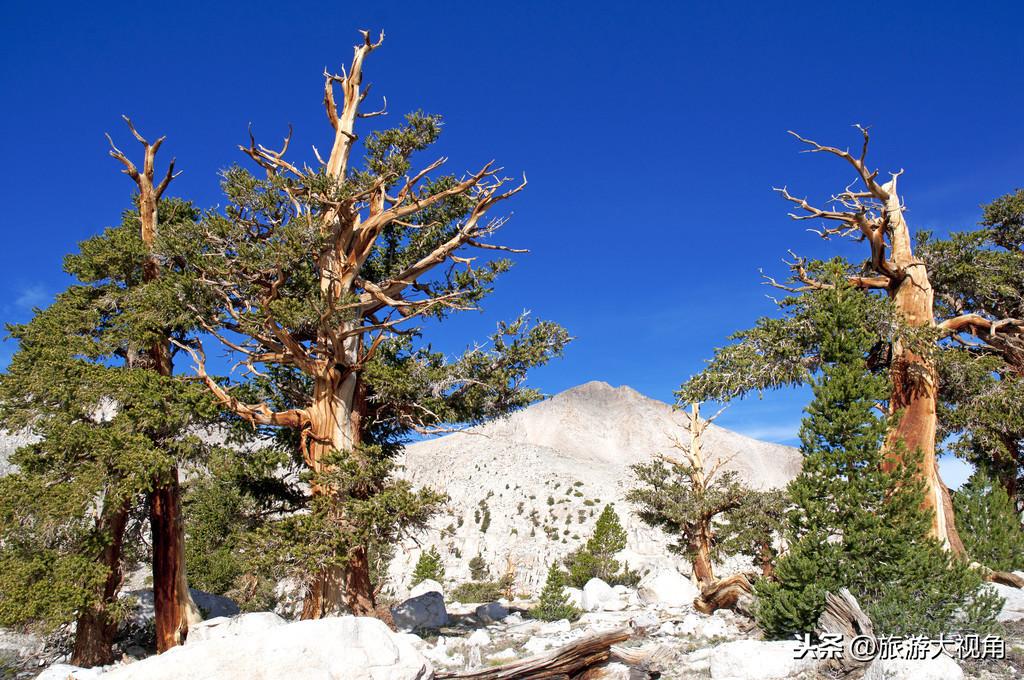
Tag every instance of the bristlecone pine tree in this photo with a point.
(109, 428)
(554, 604)
(858, 523)
(428, 566)
(316, 277)
(688, 498)
(173, 607)
(982, 371)
(596, 558)
(990, 524)
(782, 352)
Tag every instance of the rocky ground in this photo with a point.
(435, 636)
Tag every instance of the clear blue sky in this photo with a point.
(651, 133)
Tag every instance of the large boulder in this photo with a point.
(426, 586)
(667, 587)
(424, 611)
(595, 593)
(339, 648)
(222, 626)
(491, 612)
(575, 596)
(757, 660)
(1013, 610)
(940, 668)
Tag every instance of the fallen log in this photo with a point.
(732, 592)
(563, 662)
(1005, 578)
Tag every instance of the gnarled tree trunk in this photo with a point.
(335, 422)
(95, 629)
(915, 383)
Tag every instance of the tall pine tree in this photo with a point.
(321, 276)
(108, 428)
(859, 521)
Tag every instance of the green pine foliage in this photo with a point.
(256, 272)
(478, 568)
(666, 498)
(554, 601)
(989, 524)
(596, 558)
(981, 412)
(754, 527)
(428, 566)
(106, 428)
(855, 524)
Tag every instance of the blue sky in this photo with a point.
(651, 133)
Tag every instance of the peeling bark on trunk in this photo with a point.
(703, 571)
(335, 422)
(915, 383)
(95, 630)
(174, 609)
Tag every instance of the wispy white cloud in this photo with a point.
(31, 296)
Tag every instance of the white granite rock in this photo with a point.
(667, 587)
(222, 626)
(426, 586)
(595, 594)
(336, 648)
(757, 660)
(939, 668)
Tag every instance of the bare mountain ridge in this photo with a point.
(527, 488)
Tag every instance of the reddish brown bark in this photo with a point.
(96, 629)
(702, 568)
(171, 599)
(875, 215)
(335, 424)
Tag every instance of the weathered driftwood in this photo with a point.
(732, 592)
(643, 663)
(1005, 578)
(843, 616)
(565, 662)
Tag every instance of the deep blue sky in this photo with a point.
(651, 134)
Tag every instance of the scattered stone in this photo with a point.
(536, 645)
(492, 612)
(502, 656)
(555, 627)
(424, 611)
(667, 628)
(644, 621)
(667, 587)
(757, 660)
(426, 586)
(479, 638)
